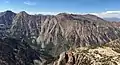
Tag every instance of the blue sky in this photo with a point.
(97, 7)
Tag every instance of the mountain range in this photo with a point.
(55, 34)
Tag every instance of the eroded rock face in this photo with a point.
(56, 34)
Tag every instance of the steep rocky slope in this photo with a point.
(54, 34)
(16, 52)
(6, 18)
(57, 33)
(107, 54)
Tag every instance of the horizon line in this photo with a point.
(106, 14)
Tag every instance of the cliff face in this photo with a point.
(57, 33)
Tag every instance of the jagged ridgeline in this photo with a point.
(57, 33)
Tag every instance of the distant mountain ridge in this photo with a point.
(113, 19)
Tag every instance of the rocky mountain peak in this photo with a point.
(94, 17)
(23, 13)
(64, 16)
(6, 17)
(6, 12)
(91, 15)
(9, 11)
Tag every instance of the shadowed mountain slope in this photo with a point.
(18, 52)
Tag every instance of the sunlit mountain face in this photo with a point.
(48, 36)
